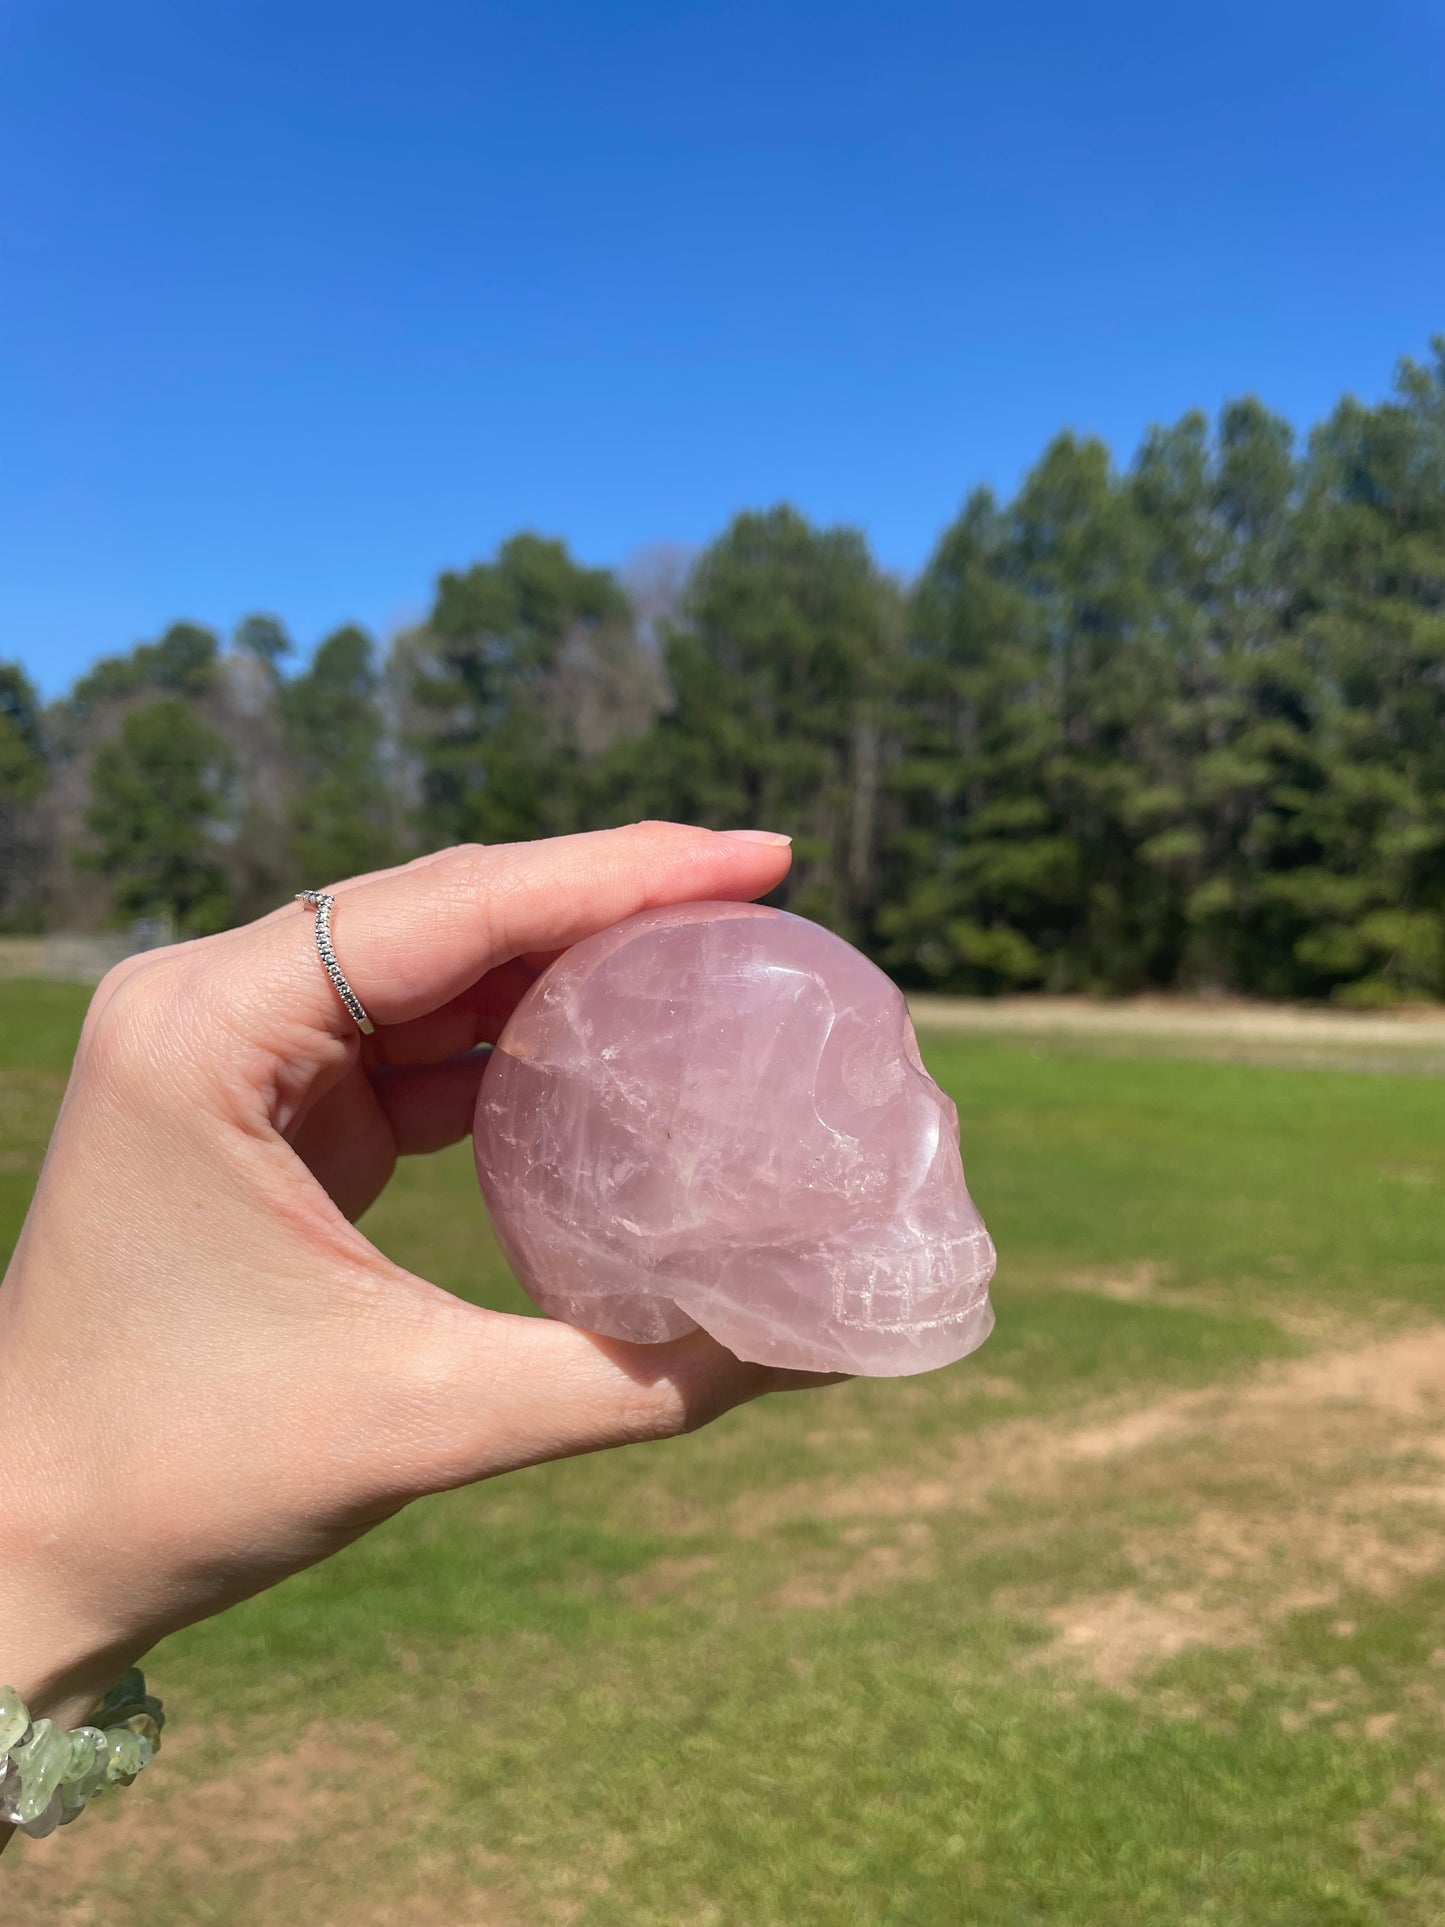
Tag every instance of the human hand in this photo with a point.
(209, 1378)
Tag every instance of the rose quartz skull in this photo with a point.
(715, 1114)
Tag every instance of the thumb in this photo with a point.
(490, 1392)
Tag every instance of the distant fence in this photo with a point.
(79, 960)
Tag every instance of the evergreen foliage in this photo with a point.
(156, 789)
(1176, 726)
(23, 777)
(341, 809)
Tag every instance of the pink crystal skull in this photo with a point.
(715, 1114)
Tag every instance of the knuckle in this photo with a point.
(111, 992)
(131, 1013)
(113, 1027)
(474, 866)
(459, 875)
(658, 1411)
(681, 1400)
(117, 975)
(462, 860)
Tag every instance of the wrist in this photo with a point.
(56, 1656)
(60, 1669)
(60, 1648)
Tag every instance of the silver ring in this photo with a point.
(318, 901)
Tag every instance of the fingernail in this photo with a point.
(758, 836)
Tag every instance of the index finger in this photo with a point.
(411, 939)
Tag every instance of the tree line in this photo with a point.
(1180, 725)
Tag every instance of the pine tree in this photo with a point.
(342, 807)
(157, 798)
(782, 669)
(24, 775)
(534, 669)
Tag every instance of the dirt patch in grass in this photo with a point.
(873, 1565)
(1247, 1571)
(1120, 1634)
(1402, 1377)
(668, 1579)
(1320, 1326)
(276, 1835)
(1305, 1482)
(1135, 1284)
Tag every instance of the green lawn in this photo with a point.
(1137, 1617)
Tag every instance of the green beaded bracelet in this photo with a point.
(49, 1776)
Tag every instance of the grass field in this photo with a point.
(1136, 1617)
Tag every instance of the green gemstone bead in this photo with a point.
(89, 1758)
(14, 1720)
(45, 1822)
(148, 1729)
(73, 1799)
(128, 1754)
(123, 1699)
(42, 1762)
(92, 1783)
(87, 1751)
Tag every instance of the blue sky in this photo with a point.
(301, 303)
